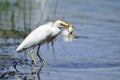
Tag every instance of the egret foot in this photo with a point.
(43, 62)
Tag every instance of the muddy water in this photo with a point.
(93, 55)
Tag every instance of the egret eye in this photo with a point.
(62, 24)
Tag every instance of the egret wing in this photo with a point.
(37, 36)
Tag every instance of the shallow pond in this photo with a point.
(93, 55)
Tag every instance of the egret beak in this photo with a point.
(66, 25)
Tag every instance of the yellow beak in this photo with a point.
(66, 25)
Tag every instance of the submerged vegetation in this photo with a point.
(12, 34)
(15, 17)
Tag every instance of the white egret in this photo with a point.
(40, 35)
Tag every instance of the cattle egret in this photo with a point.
(41, 35)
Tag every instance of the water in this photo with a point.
(94, 55)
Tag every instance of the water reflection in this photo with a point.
(35, 72)
(39, 71)
(22, 72)
(16, 15)
(8, 66)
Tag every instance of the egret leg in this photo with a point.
(39, 55)
(33, 56)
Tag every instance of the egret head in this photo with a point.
(60, 23)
